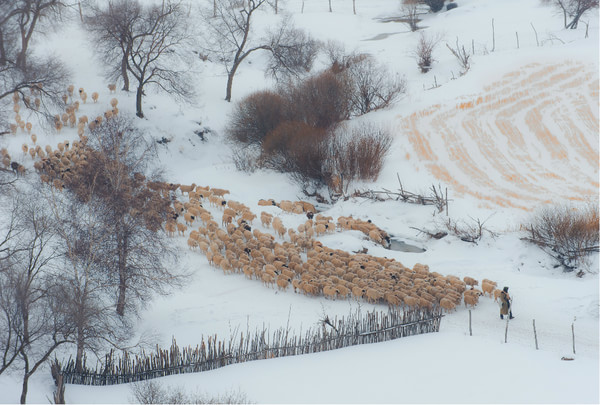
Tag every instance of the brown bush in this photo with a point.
(566, 233)
(298, 149)
(359, 154)
(321, 101)
(255, 116)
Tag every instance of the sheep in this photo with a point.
(95, 96)
(283, 282)
(330, 291)
(83, 96)
(485, 280)
(497, 294)
(65, 98)
(265, 219)
(25, 148)
(70, 90)
(488, 288)
(192, 243)
(187, 189)
(470, 281)
(58, 126)
(13, 128)
(447, 304)
(248, 216)
(219, 192)
(265, 203)
(373, 295)
(112, 88)
(181, 228)
(286, 205)
(28, 126)
(471, 297)
(189, 218)
(114, 102)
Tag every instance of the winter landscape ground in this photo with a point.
(515, 133)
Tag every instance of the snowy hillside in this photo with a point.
(516, 132)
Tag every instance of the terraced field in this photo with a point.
(529, 138)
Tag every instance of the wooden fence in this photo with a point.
(212, 353)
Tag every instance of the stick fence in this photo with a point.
(213, 353)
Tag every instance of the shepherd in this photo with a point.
(505, 302)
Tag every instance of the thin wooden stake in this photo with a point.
(573, 332)
(535, 335)
(536, 35)
(506, 330)
(493, 37)
(517, 34)
(470, 330)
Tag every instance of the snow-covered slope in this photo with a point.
(474, 134)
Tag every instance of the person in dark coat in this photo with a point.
(505, 302)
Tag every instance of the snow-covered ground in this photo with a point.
(479, 152)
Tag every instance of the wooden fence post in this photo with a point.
(506, 330)
(535, 335)
(470, 330)
(493, 37)
(573, 332)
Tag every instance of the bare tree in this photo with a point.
(30, 79)
(27, 14)
(136, 257)
(292, 51)
(155, 53)
(86, 297)
(147, 42)
(112, 29)
(230, 35)
(573, 9)
(30, 319)
(372, 86)
(410, 8)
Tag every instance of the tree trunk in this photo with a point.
(138, 101)
(122, 242)
(26, 376)
(230, 80)
(2, 50)
(124, 72)
(24, 389)
(80, 350)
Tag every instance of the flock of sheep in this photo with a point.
(67, 118)
(292, 258)
(289, 258)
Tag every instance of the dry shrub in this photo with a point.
(359, 153)
(321, 101)
(330, 158)
(371, 86)
(298, 149)
(255, 116)
(566, 233)
(424, 51)
(152, 392)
